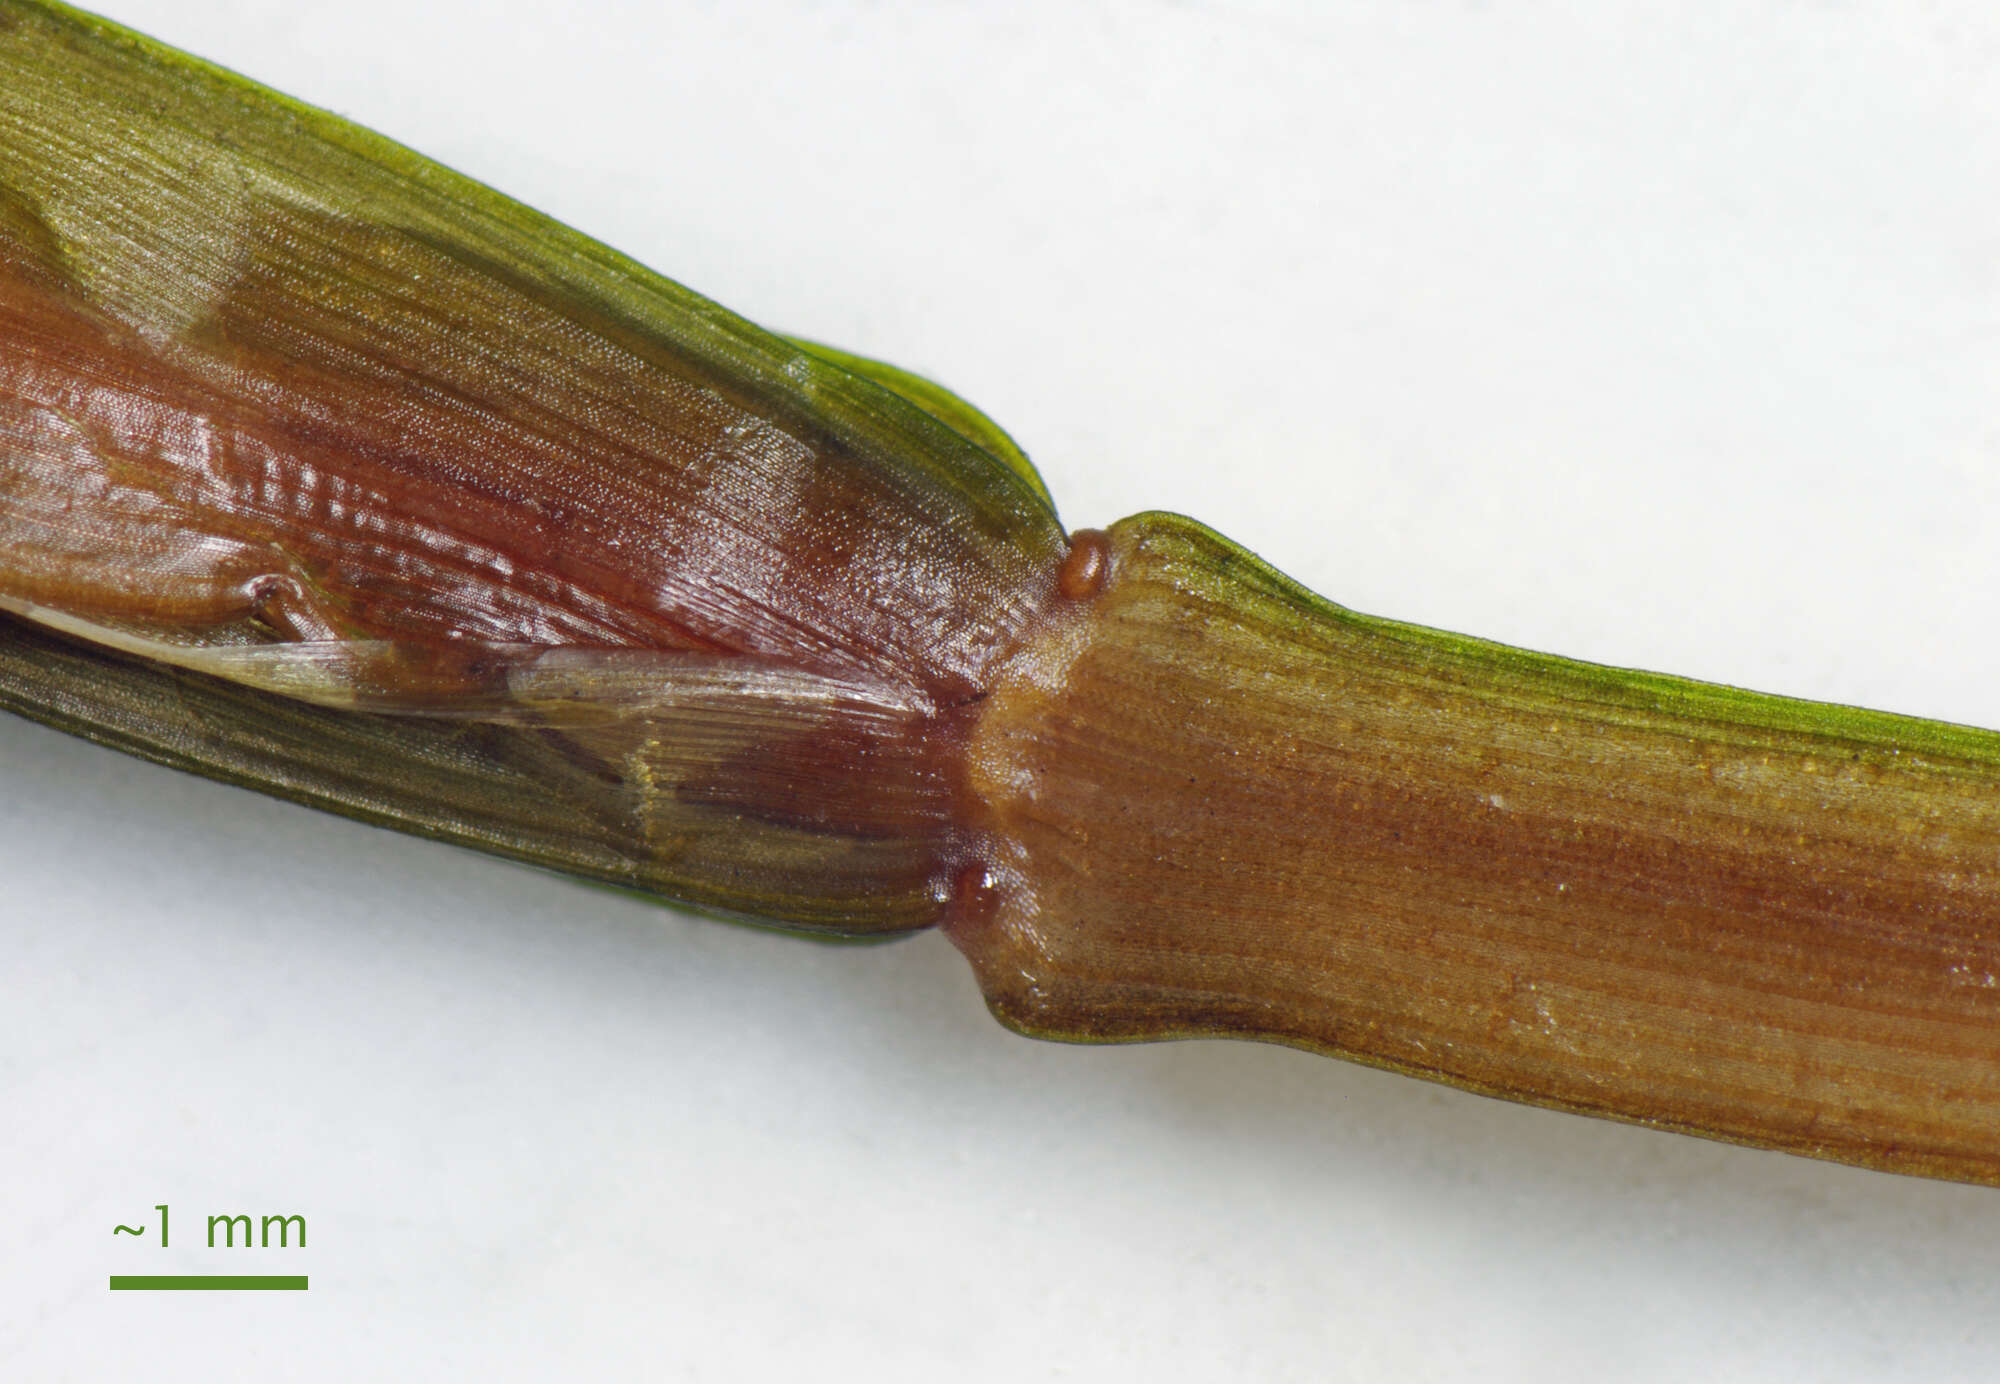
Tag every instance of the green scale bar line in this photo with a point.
(207, 1282)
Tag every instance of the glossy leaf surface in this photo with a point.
(269, 380)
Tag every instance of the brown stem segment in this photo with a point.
(328, 472)
(1217, 806)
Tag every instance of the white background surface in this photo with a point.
(1667, 341)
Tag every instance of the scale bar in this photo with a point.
(207, 1282)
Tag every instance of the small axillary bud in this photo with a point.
(1087, 566)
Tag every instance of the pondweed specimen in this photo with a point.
(328, 472)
